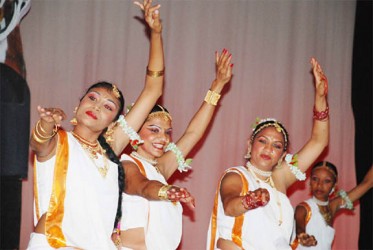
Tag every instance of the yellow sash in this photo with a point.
(238, 221)
(53, 222)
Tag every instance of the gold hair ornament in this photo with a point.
(324, 166)
(163, 114)
(116, 91)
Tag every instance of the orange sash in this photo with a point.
(238, 221)
(295, 243)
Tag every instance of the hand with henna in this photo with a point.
(306, 240)
(321, 82)
(175, 193)
(257, 198)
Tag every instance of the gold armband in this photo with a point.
(162, 193)
(212, 97)
(152, 73)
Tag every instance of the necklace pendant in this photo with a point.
(103, 171)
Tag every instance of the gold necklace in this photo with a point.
(326, 214)
(95, 153)
(150, 161)
(269, 181)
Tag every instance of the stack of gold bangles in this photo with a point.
(40, 135)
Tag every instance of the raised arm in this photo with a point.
(43, 139)
(320, 131)
(200, 121)
(355, 193)
(153, 81)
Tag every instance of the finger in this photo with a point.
(221, 56)
(224, 57)
(228, 61)
(154, 8)
(139, 4)
(216, 57)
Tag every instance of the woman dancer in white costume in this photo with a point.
(251, 209)
(314, 217)
(152, 214)
(78, 178)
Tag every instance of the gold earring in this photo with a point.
(109, 133)
(74, 121)
(279, 163)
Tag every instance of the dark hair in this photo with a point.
(109, 151)
(109, 86)
(330, 166)
(121, 176)
(271, 123)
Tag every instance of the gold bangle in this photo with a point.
(212, 97)
(37, 138)
(152, 73)
(162, 193)
(38, 124)
(40, 135)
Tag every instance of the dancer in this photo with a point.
(251, 209)
(152, 214)
(314, 217)
(78, 178)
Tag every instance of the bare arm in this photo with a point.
(138, 184)
(355, 193)
(230, 192)
(319, 136)
(199, 123)
(300, 222)
(43, 140)
(153, 85)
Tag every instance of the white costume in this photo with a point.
(161, 220)
(257, 228)
(90, 202)
(316, 226)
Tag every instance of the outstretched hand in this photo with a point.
(307, 240)
(151, 14)
(181, 194)
(321, 82)
(257, 198)
(52, 115)
(223, 66)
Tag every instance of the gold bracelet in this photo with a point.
(37, 138)
(152, 73)
(40, 135)
(162, 193)
(212, 97)
(38, 124)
